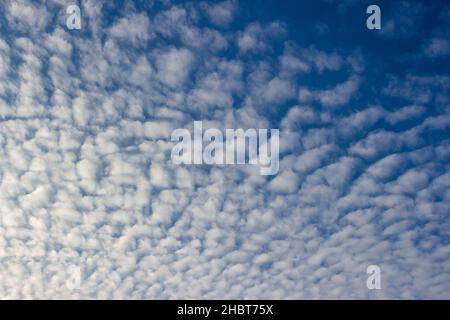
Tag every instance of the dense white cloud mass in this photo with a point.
(86, 178)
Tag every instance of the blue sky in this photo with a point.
(86, 179)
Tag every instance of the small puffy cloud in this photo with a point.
(174, 66)
(135, 29)
(256, 37)
(222, 13)
(438, 47)
(411, 181)
(405, 114)
(286, 182)
(159, 176)
(322, 60)
(27, 17)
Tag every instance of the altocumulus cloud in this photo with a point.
(86, 178)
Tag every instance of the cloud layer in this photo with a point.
(86, 178)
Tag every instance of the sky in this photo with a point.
(88, 189)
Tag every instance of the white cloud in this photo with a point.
(135, 29)
(256, 36)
